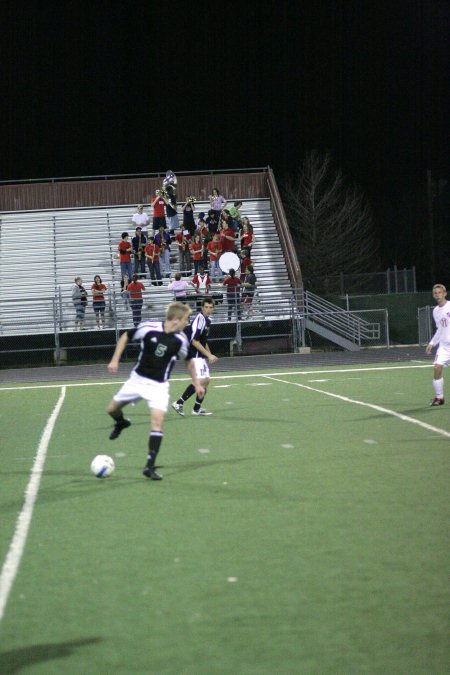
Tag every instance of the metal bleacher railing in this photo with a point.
(41, 253)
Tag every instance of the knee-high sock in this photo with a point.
(190, 389)
(154, 444)
(439, 387)
(198, 403)
(117, 416)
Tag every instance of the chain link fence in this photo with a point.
(425, 324)
(287, 322)
(389, 281)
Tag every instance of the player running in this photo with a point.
(201, 356)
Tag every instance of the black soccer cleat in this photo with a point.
(118, 427)
(437, 401)
(150, 472)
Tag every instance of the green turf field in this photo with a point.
(303, 528)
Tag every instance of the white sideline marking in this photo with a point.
(16, 549)
(104, 383)
(379, 408)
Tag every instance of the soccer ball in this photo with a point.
(102, 466)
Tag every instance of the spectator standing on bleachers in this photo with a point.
(205, 237)
(202, 282)
(79, 299)
(236, 215)
(135, 289)
(244, 260)
(247, 236)
(217, 202)
(124, 292)
(163, 240)
(212, 221)
(139, 242)
(125, 249)
(188, 216)
(233, 284)
(159, 210)
(171, 209)
(214, 251)
(200, 221)
(228, 235)
(152, 252)
(179, 287)
(140, 218)
(98, 300)
(183, 240)
(249, 288)
(196, 249)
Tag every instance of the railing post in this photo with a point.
(57, 356)
(388, 342)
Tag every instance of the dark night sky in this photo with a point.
(110, 87)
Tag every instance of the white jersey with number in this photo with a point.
(441, 316)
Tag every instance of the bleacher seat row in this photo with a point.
(42, 251)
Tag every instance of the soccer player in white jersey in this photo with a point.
(201, 355)
(161, 344)
(441, 316)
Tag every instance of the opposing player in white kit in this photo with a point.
(201, 356)
(161, 344)
(441, 316)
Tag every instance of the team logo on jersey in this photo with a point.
(160, 350)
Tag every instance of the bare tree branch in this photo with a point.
(331, 221)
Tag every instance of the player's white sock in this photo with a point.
(439, 387)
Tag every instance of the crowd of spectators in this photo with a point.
(199, 241)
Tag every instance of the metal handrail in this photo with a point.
(287, 244)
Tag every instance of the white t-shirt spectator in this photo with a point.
(140, 219)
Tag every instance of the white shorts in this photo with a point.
(137, 387)
(442, 357)
(201, 368)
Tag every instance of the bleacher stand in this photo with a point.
(42, 251)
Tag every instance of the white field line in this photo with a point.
(104, 383)
(16, 549)
(379, 408)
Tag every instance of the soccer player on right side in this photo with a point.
(201, 355)
(441, 316)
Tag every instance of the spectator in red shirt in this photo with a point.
(245, 261)
(196, 248)
(183, 240)
(215, 251)
(202, 282)
(159, 210)
(135, 289)
(233, 284)
(125, 248)
(98, 300)
(228, 237)
(152, 252)
(247, 235)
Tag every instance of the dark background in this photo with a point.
(109, 88)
